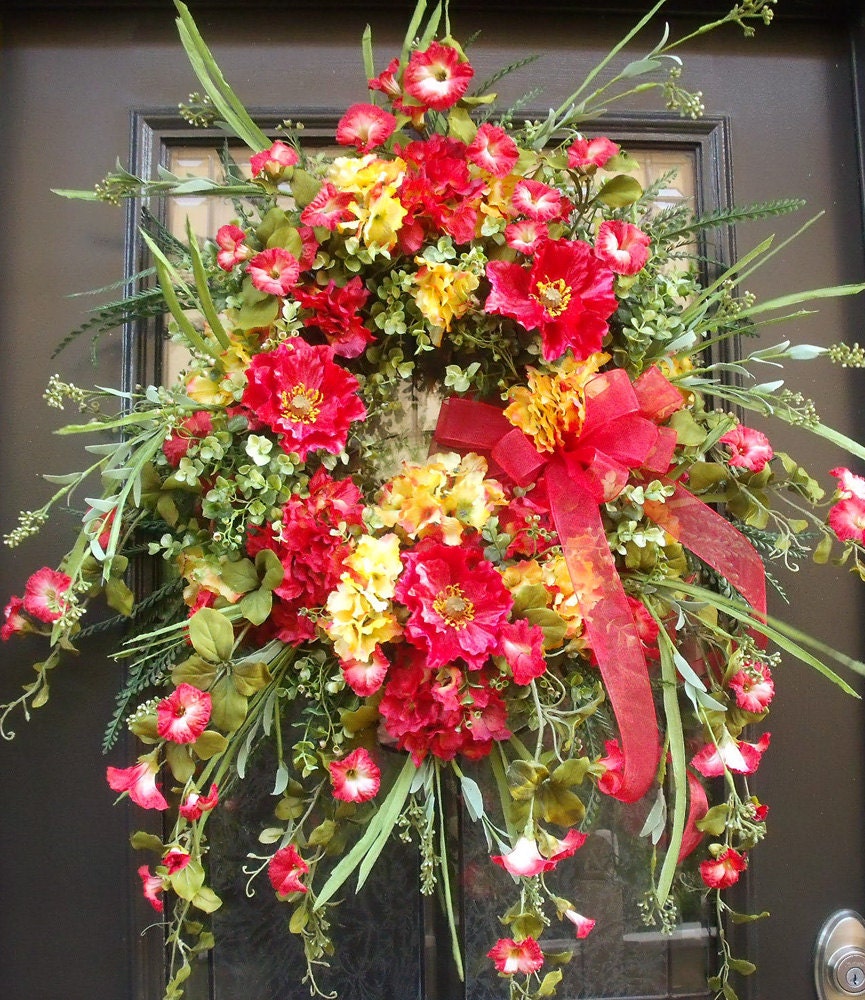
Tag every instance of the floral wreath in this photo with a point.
(565, 590)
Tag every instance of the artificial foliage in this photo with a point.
(561, 591)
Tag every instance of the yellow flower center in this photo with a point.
(554, 296)
(454, 607)
(301, 404)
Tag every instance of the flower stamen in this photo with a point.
(454, 607)
(301, 404)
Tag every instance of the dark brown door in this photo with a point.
(72, 75)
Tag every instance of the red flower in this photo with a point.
(45, 594)
(328, 208)
(15, 623)
(457, 603)
(750, 449)
(436, 77)
(723, 871)
(307, 399)
(849, 485)
(526, 235)
(152, 887)
(567, 294)
(139, 781)
(622, 247)
(591, 152)
(730, 755)
(273, 162)
(365, 126)
(511, 956)
(355, 778)
(539, 201)
(493, 150)
(274, 271)
(285, 869)
(386, 82)
(195, 804)
(183, 716)
(176, 860)
(583, 925)
(847, 519)
(366, 678)
(522, 645)
(611, 781)
(232, 247)
(753, 686)
(336, 313)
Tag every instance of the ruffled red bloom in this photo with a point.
(285, 869)
(45, 594)
(195, 805)
(196, 426)
(591, 152)
(183, 716)
(307, 399)
(512, 956)
(624, 248)
(274, 271)
(750, 449)
(365, 126)
(176, 860)
(336, 313)
(456, 600)
(273, 162)
(437, 77)
(566, 294)
(493, 150)
(355, 778)
(365, 678)
(233, 249)
(723, 871)
(328, 208)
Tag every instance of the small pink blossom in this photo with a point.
(583, 925)
(45, 594)
(386, 82)
(753, 686)
(624, 248)
(539, 201)
(522, 645)
(274, 271)
(365, 126)
(437, 77)
(493, 150)
(273, 162)
(285, 869)
(139, 781)
(524, 859)
(526, 235)
(355, 778)
(512, 956)
(750, 448)
(558, 850)
(153, 887)
(847, 520)
(849, 485)
(730, 755)
(328, 208)
(611, 780)
(723, 871)
(15, 622)
(183, 716)
(195, 804)
(233, 249)
(591, 152)
(176, 860)
(365, 677)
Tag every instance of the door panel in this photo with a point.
(68, 922)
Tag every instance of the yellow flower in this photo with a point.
(380, 220)
(443, 292)
(552, 407)
(360, 175)
(377, 563)
(358, 620)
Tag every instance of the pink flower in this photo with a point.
(307, 399)
(558, 850)
(847, 520)
(365, 126)
(539, 201)
(44, 594)
(233, 249)
(274, 271)
(176, 860)
(848, 484)
(750, 449)
(591, 152)
(524, 859)
(457, 603)
(328, 208)
(522, 645)
(355, 778)
(386, 82)
(273, 162)
(139, 781)
(723, 871)
(730, 755)
(753, 686)
(152, 886)
(365, 678)
(15, 623)
(622, 247)
(285, 869)
(511, 956)
(611, 780)
(195, 804)
(493, 150)
(437, 77)
(526, 235)
(183, 716)
(584, 925)
(566, 294)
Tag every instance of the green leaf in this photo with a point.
(250, 676)
(269, 569)
(188, 881)
(676, 739)
(180, 761)
(194, 671)
(304, 187)
(205, 299)
(461, 126)
(619, 192)
(119, 597)
(747, 918)
(256, 607)
(209, 744)
(742, 966)
(207, 900)
(229, 706)
(472, 797)
(143, 841)
(240, 575)
(524, 779)
(549, 983)
(211, 635)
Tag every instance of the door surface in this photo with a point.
(72, 76)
